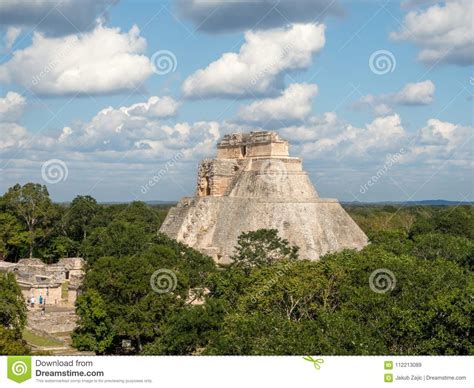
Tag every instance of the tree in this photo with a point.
(30, 203)
(58, 247)
(79, 216)
(12, 316)
(136, 311)
(189, 330)
(262, 247)
(12, 304)
(95, 331)
(118, 239)
(458, 221)
(12, 235)
(12, 344)
(329, 307)
(433, 246)
(453, 220)
(391, 240)
(139, 213)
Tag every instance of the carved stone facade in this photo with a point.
(215, 176)
(252, 184)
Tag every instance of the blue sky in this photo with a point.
(79, 86)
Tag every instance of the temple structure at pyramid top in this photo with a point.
(253, 144)
(253, 184)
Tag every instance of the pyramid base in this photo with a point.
(212, 224)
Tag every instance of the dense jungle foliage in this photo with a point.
(408, 292)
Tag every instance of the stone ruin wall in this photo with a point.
(254, 145)
(52, 322)
(215, 176)
(58, 283)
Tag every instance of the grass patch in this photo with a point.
(39, 340)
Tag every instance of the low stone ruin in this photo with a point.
(58, 284)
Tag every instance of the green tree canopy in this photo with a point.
(12, 236)
(30, 203)
(79, 216)
(262, 247)
(130, 304)
(95, 330)
(12, 316)
(12, 304)
(328, 307)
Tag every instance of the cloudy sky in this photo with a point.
(99, 97)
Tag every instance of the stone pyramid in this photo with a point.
(252, 184)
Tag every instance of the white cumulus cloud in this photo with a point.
(11, 35)
(259, 66)
(416, 93)
(104, 60)
(444, 33)
(12, 135)
(444, 135)
(121, 129)
(294, 103)
(331, 138)
(315, 127)
(442, 142)
(159, 107)
(11, 108)
(122, 148)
